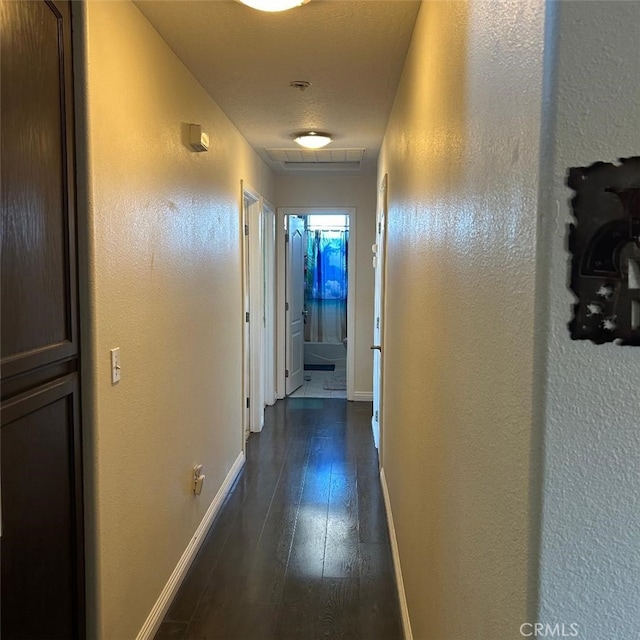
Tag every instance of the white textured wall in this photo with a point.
(165, 287)
(345, 191)
(461, 150)
(590, 553)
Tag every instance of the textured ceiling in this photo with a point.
(351, 51)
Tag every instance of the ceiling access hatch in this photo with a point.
(318, 159)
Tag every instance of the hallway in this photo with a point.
(300, 549)
(149, 164)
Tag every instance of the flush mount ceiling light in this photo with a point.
(273, 5)
(313, 139)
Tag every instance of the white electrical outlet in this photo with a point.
(115, 365)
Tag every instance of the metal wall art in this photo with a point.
(605, 247)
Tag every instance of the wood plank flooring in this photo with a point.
(300, 549)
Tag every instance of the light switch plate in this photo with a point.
(115, 365)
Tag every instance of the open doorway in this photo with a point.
(259, 305)
(317, 295)
(326, 242)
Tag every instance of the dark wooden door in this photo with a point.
(41, 562)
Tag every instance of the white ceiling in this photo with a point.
(351, 51)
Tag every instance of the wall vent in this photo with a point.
(318, 159)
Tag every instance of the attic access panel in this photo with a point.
(605, 248)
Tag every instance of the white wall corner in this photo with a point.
(154, 620)
(363, 396)
(404, 610)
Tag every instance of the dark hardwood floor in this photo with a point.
(300, 549)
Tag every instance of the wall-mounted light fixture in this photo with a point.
(273, 5)
(313, 139)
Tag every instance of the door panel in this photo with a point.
(256, 315)
(41, 570)
(37, 262)
(295, 298)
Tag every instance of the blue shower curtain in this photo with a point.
(326, 286)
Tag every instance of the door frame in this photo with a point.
(380, 277)
(258, 244)
(282, 213)
(251, 229)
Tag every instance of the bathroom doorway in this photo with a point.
(326, 288)
(325, 306)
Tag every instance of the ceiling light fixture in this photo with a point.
(273, 5)
(313, 139)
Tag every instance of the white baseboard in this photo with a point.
(363, 396)
(151, 625)
(404, 611)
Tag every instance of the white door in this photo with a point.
(269, 295)
(294, 305)
(378, 311)
(256, 315)
(246, 336)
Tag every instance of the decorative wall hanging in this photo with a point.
(605, 244)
